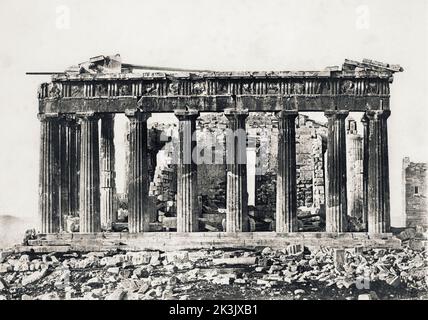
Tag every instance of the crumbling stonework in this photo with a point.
(415, 193)
(294, 272)
(94, 88)
(262, 130)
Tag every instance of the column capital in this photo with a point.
(137, 114)
(90, 115)
(286, 114)
(236, 113)
(108, 115)
(364, 119)
(47, 116)
(67, 119)
(183, 115)
(377, 114)
(340, 114)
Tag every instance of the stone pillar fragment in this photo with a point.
(138, 176)
(378, 173)
(286, 190)
(89, 174)
(236, 158)
(336, 200)
(187, 189)
(49, 178)
(108, 173)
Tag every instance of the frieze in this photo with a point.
(213, 87)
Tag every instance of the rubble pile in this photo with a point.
(294, 272)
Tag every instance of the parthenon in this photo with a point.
(73, 103)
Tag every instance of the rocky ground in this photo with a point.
(292, 273)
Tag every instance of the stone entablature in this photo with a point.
(354, 88)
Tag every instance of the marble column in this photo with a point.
(236, 158)
(286, 190)
(187, 182)
(336, 195)
(108, 173)
(138, 179)
(73, 152)
(63, 171)
(365, 122)
(72, 161)
(89, 173)
(378, 173)
(49, 178)
(354, 167)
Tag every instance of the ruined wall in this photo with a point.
(415, 193)
(262, 130)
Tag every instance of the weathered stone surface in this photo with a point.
(311, 274)
(286, 191)
(35, 276)
(236, 159)
(108, 173)
(89, 207)
(187, 202)
(379, 220)
(414, 194)
(336, 194)
(138, 182)
(235, 261)
(49, 182)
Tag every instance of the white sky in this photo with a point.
(219, 35)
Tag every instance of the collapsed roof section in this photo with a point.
(112, 64)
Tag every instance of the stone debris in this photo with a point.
(294, 272)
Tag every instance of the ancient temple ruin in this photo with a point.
(73, 104)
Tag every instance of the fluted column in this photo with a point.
(187, 189)
(49, 178)
(336, 201)
(89, 174)
(286, 190)
(70, 167)
(354, 167)
(108, 173)
(378, 173)
(138, 179)
(236, 157)
(63, 171)
(365, 122)
(73, 151)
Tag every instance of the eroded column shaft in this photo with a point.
(187, 189)
(63, 171)
(138, 178)
(236, 157)
(73, 152)
(286, 191)
(108, 173)
(336, 195)
(365, 123)
(89, 174)
(49, 178)
(378, 173)
(354, 167)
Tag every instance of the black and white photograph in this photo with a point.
(223, 151)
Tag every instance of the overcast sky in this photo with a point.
(48, 35)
